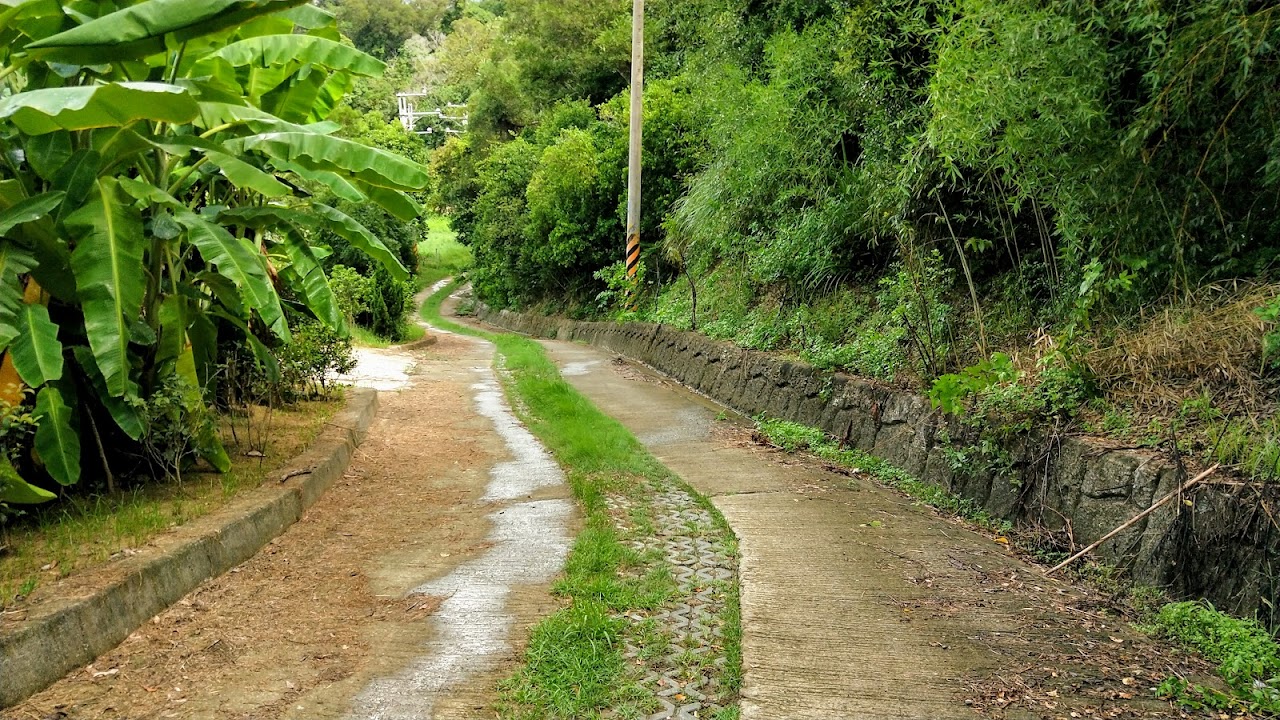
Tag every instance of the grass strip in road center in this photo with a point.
(574, 664)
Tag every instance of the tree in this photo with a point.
(162, 171)
(380, 27)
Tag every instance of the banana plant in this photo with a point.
(163, 165)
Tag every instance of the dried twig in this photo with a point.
(1129, 523)
(296, 473)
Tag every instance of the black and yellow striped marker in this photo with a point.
(633, 255)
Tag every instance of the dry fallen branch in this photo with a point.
(296, 473)
(1129, 523)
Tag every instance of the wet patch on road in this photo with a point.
(382, 370)
(528, 544)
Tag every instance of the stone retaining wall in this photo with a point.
(1221, 547)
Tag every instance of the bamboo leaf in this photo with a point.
(107, 264)
(57, 439)
(83, 107)
(36, 351)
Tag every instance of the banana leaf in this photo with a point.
(139, 31)
(16, 491)
(45, 254)
(275, 50)
(295, 100)
(240, 262)
(334, 182)
(313, 285)
(348, 229)
(324, 152)
(36, 352)
(218, 114)
(395, 202)
(57, 436)
(240, 173)
(124, 410)
(29, 210)
(107, 264)
(46, 153)
(83, 107)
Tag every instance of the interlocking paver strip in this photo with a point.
(686, 679)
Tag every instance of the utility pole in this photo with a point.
(633, 158)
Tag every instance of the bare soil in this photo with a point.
(304, 625)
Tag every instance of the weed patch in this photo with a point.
(794, 437)
(83, 531)
(1247, 656)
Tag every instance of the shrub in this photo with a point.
(316, 354)
(353, 291)
(180, 427)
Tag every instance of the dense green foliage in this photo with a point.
(167, 193)
(1108, 152)
(380, 27)
(898, 188)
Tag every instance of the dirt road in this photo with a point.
(403, 593)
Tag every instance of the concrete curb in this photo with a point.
(100, 608)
